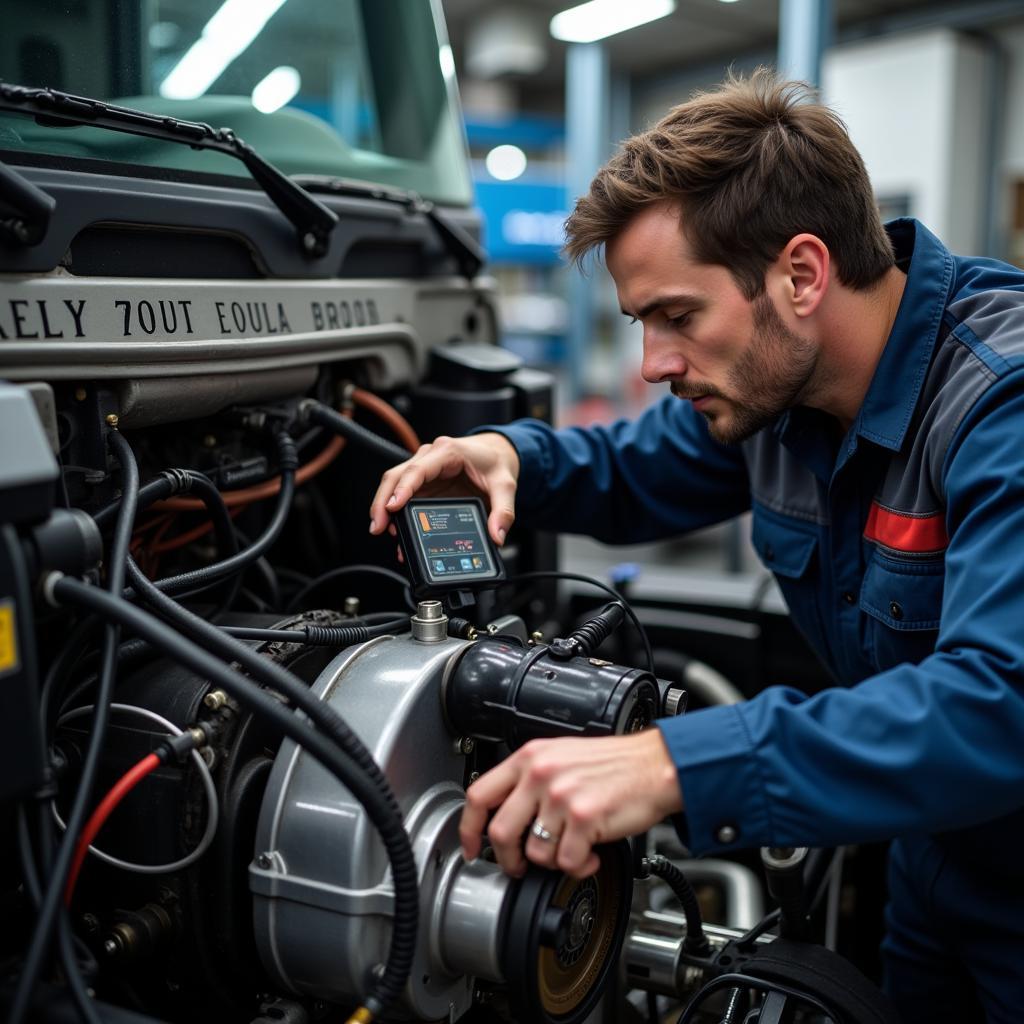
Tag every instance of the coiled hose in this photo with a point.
(696, 941)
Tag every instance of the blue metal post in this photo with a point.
(586, 130)
(805, 30)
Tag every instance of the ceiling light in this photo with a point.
(274, 91)
(601, 18)
(234, 25)
(505, 162)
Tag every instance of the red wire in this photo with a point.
(118, 792)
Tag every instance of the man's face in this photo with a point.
(735, 359)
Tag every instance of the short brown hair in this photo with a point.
(751, 163)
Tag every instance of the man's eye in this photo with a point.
(678, 321)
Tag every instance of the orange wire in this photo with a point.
(246, 495)
(188, 536)
(390, 415)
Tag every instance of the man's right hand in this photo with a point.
(486, 465)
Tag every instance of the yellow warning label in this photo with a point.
(8, 637)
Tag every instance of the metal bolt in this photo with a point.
(263, 861)
(112, 419)
(351, 606)
(91, 923)
(215, 700)
(111, 947)
(81, 394)
(473, 776)
(209, 441)
(536, 637)
(464, 745)
(492, 628)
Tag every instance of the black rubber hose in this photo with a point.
(595, 631)
(60, 670)
(696, 941)
(117, 558)
(324, 717)
(288, 461)
(319, 636)
(189, 481)
(380, 805)
(388, 451)
(556, 574)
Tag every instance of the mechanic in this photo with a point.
(861, 391)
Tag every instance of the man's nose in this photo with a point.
(660, 362)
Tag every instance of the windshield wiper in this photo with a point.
(313, 221)
(25, 209)
(465, 249)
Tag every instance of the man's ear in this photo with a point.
(801, 273)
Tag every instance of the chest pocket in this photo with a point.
(902, 599)
(789, 549)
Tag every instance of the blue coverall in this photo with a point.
(900, 551)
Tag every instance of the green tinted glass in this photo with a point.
(351, 88)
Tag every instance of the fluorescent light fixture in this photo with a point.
(447, 59)
(505, 163)
(234, 25)
(601, 18)
(274, 91)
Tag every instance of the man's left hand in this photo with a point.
(580, 791)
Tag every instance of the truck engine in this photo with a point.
(237, 731)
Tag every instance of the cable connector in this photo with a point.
(461, 629)
(179, 747)
(179, 479)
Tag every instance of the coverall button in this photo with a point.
(727, 834)
(850, 597)
(895, 610)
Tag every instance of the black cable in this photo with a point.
(403, 939)
(118, 553)
(769, 921)
(61, 668)
(68, 954)
(288, 462)
(262, 568)
(320, 636)
(379, 803)
(652, 1008)
(27, 859)
(172, 482)
(386, 450)
(350, 570)
(555, 574)
(696, 941)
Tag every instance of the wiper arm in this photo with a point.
(313, 221)
(25, 209)
(463, 247)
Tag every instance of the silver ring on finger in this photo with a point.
(538, 830)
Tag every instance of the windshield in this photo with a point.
(349, 88)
